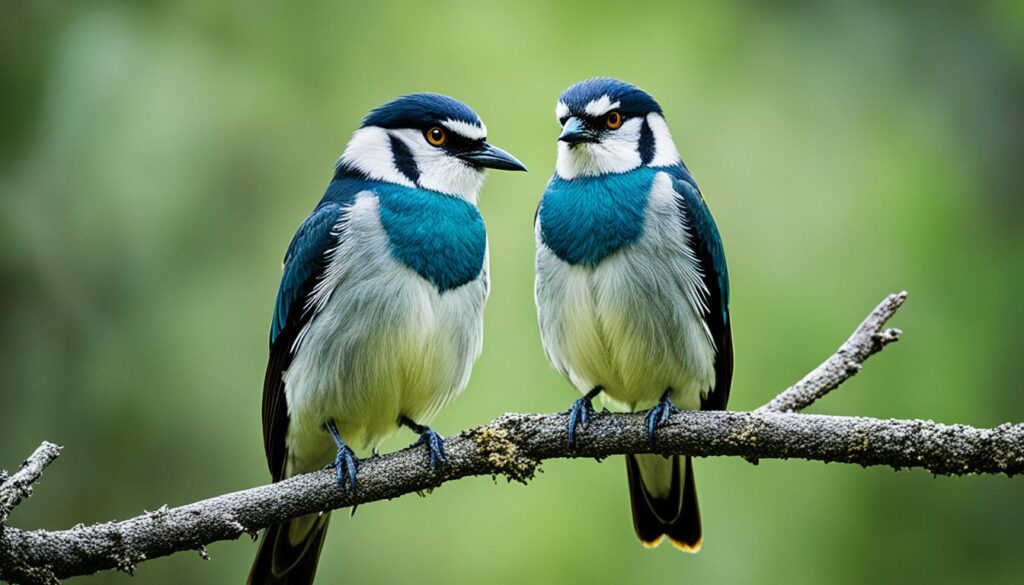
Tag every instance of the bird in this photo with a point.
(632, 288)
(379, 314)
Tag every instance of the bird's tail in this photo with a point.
(289, 552)
(664, 501)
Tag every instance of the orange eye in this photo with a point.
(614, 120)
(436, 136)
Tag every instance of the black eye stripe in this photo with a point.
(459, 141)
(597, 122)
(404, 160)
(454, 142)
(646, 145)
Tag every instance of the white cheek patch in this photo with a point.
(561, 111)
(618, 152)
(369, 151)
(440, 171)
(665, 152)
(465, 129)
(601, 106)
(452, 176)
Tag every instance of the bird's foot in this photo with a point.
(435, 446)
(433, 441)
(346, 466)
(659, 413)
(580, 412)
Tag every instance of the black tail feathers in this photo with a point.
(279, 562)
(658, 512)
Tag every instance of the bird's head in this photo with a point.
(610, 126)
(426, 140)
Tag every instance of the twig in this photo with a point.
(17, 487)
(867, 340)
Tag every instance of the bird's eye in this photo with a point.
(436, 136)
(614, 120)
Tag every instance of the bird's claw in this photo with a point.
(345, 465)
(658, 414)
(435, 446)
(580, 413)
(579, 417)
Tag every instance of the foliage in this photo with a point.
(156, 159)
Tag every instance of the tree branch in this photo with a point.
(514, 445)
(18, 487)
(867, 340)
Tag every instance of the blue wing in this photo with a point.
(711, 255)
(304, 263)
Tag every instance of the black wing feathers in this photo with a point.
(707, 245)
(275, 407)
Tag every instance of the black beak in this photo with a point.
(574, 132)
(492, 157)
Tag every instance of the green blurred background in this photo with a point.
(155, 159)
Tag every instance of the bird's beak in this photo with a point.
(491, 157)
(574, 132)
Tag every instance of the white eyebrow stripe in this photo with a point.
(470, 131)
(561, 110)
(601, 106)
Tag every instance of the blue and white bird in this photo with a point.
(379, 316)
(632, 288)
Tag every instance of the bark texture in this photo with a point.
(514, 445)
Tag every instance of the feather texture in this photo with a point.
(632, 287)
(631, 323)
(638, 314)
(707, 244)
(379, 315)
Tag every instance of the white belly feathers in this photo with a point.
(384, 343)
(632, 324)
